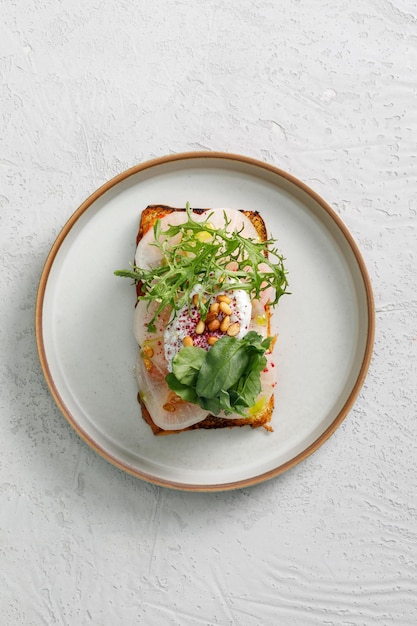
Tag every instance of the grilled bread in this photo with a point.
(262, 417)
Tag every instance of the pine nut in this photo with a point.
(199, 329)
(187, 341)
(225, 323)
(212, 340)
(225, 308)
(174, 399)
(148, 351)
(214, 308)
(148, 364)
(233, 329)
(169, 407)
(223, 298)
(211, 315)
(214, 325)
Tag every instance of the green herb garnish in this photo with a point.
(200, 258)
(224, 378)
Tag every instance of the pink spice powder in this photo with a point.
(187, 321)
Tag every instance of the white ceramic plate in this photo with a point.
(84, 323)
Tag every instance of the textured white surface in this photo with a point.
(325, 90)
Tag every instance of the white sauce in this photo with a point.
(186, 320)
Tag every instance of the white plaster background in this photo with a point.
(325, 90)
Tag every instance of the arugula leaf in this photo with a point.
(224, 364)
(249, 386)
(224, 378)
(212, 405)
(188, 364)
(200, 257)
(185, 392)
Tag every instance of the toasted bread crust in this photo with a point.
(157, 211)
(262, 418)
(211, 421)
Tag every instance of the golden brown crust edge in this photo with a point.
(211, 421)
(261, 419)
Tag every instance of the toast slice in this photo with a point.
(263, 417)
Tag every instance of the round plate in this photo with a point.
(84, 323)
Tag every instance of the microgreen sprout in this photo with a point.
(199, 262)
